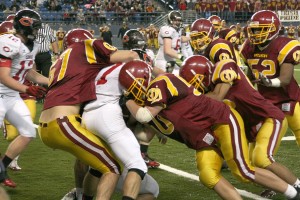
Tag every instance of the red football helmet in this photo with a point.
(76, 35)
(264, 25)
(202, 33)
(216, 21)
(229, 35)
(197, 70)
(135, 77)
(10, 18)
(6, 27)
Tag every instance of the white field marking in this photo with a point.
(297, 70)
(196, 178)
(289, 138)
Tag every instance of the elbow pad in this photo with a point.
(143, 115)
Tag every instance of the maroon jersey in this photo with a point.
(220, 49)
(252, 106)
(186, 110)
(268, 61)
(72, 76)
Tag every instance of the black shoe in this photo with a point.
(267, 193)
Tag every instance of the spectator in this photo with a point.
(257, 5)
(182, 5)
(14, 7)
(107, 35)
(66, 16)
(214, 7)
(80, 18)
(122, 31)
(221, 5)
(226, 10)
(2, 6)
(232, 9)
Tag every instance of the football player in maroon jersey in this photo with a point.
(272, 58)
(210, 127)
(265, 124)
(70, 86)
(204, 42)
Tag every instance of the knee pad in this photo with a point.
(138, 171)
(235, 171)
(95, 172)
(261, 159)
(209, 177)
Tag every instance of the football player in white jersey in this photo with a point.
(17, 53)
(104, 118)
(109, 93)
(186, 48)
(170, 39)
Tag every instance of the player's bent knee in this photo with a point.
(260, 158)
(95, 172)
(242, 176)
(138, 171)
(209, 177)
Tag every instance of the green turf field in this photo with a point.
(48, 174)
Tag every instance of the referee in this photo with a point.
(43, 58)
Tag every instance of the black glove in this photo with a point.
(170, 66)
(264, 80)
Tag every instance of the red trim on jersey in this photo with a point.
(4, 62)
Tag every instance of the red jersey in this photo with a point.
(72, 76)
(268, 61)
(186, 110)
(252, 106)
(219, 49)
(203, 6)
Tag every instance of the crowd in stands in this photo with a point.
(86, 11)
(136, 11)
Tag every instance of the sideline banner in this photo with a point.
(289, 15)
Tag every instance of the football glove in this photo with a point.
(37, 91)
(264, 80)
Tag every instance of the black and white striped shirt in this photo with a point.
(46, 35)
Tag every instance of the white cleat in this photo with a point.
(70, 195)
(14, 166)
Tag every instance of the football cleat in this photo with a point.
(267, 193)
(14, 165)
(8, 182)
(70, 195)
(151, 163)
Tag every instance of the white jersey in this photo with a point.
(168, 32)
(108, 88)
(186, 48)
(22, 59)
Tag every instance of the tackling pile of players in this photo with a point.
(227, 96)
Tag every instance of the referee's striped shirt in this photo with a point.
(46, 37)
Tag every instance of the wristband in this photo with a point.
(275, 82)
